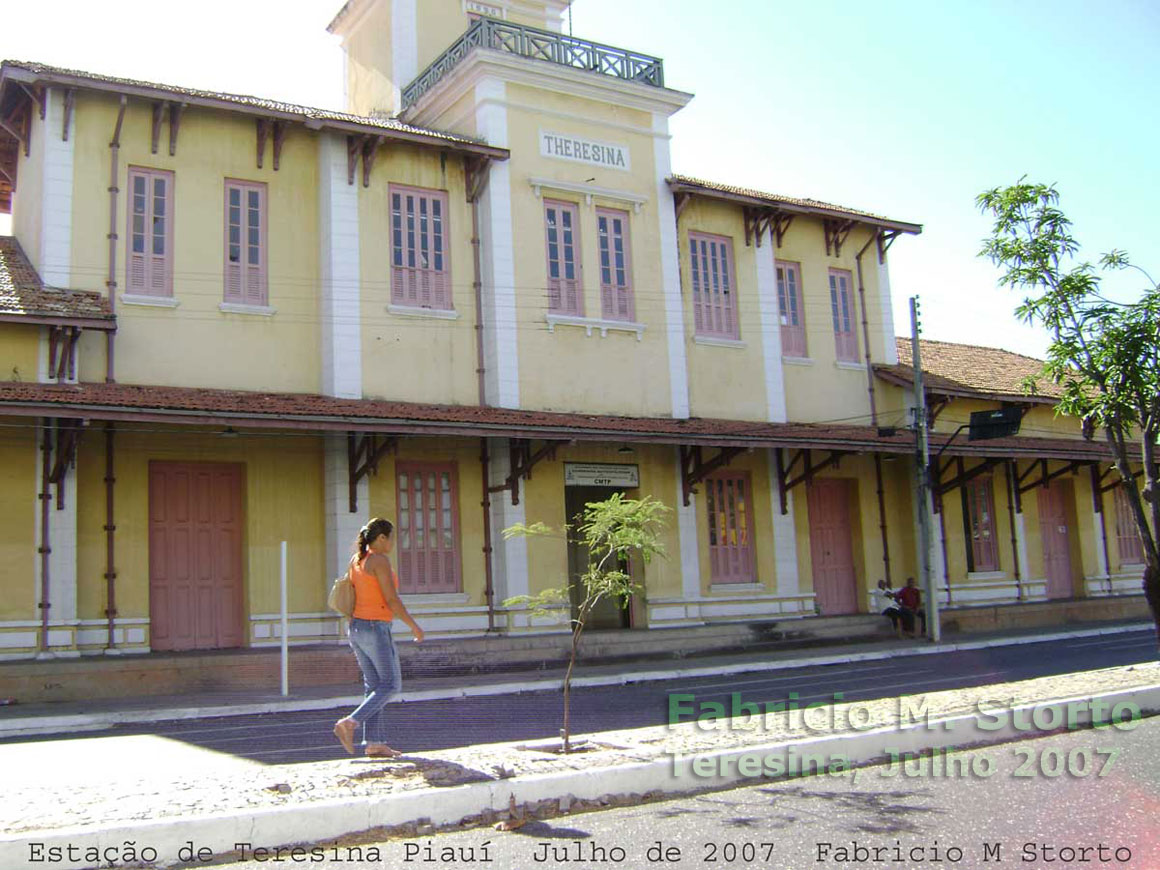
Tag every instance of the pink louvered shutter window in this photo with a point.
(714, 293)
(245, 255)
(1127, 533)
(731, 554)
(428, 534)
(789, 304)
(564, 291)
(842, 309)
(149, 261)
(420, 266)
(616, 300)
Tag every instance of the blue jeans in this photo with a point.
(382, 678)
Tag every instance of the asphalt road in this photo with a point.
(1035, 804)
(285, 738)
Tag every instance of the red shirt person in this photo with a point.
(910, 598)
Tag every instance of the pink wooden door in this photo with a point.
(1053, 529)
(831, 546)
(195, 555)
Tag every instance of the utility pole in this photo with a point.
(922, 476)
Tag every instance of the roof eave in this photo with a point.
(101, 323)
(20, 74)
(678, 186)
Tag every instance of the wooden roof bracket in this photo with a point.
(885, 240)
(22, 136)
(694, 468)
(781, 222)
(476, 174)
(1045, 478)
(680, 201)
(363, 455)
(263, 132)
(522, 461)
(836, 232)
(963, 477)
(176, 110)
(370, 149)
(279, 139)
(785, 482)
(70, 97)
(158, 108)
(67, 434)
(353, 150)
(37, 95)
(62, 350)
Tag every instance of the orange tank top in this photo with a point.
(368, 595)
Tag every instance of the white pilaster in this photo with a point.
(56, 217)
(670, 271)
(784, 538)
(1021, 547)
(62, 559)
(501, 340)
(889, 349)
(509, 565)
(404, 47)
(341, 333)
(342, 526)
(690, 548)
(1101, 547)
(769, 319)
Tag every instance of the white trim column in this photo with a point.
(670, 271)
(889, 349)
(497, 250)
(56, 216)
(340, 324)
(784, 537)
(404, 47)
(342, 526)
(1021, 550)
(770, 321)
(690, 549)
(509, 566)
(339, 283)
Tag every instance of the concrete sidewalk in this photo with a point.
(20, 720)
(77, 804)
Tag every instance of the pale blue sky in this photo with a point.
(899, 107)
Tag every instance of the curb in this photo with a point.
(673, 775)
(29, 725)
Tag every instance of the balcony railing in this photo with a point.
(531, 42)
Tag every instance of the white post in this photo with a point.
(285, 631)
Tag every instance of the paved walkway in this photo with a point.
(18, 720)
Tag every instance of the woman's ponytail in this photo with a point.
(370, 533)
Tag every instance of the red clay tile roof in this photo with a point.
(183, 405)
(699, 185)
(258, 105)
(23, 294)
(970, 370)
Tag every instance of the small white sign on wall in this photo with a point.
(582, 149)
(598, 474)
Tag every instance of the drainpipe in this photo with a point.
(1098, 506)
(882, 516)
(866, 330)
(45, 548)
(488, 587)
(111, 282)
(110, 528)
(484, 458)
(1011, 484)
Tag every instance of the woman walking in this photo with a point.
(376, 605)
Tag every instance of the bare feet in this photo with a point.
(344, 730)
(381, 750)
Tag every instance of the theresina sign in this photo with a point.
(581, 149)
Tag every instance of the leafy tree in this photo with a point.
(1104, 354)
(612, 530)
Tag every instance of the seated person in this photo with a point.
(885, 604)
(910, 598)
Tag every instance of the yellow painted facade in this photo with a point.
(330, 341)
(196, 344)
